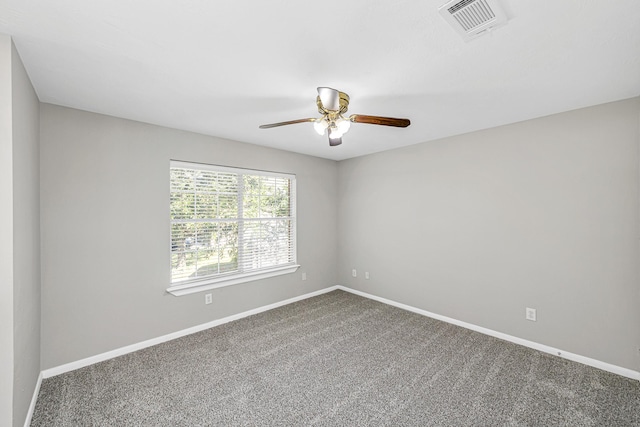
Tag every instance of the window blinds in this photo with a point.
(227, 222)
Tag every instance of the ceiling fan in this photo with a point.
(332, 104)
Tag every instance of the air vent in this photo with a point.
(472, 18)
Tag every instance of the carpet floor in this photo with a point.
(338, 360)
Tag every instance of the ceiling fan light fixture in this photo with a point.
(339, 127)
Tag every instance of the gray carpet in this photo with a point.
(338, 360)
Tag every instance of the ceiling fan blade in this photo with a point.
(330, 98)
(377, 120)
(290, 122)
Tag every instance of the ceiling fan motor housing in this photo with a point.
(344, 104)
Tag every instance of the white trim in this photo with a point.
(220, 282)
(34, 399)
(531, 344)
(72, 366)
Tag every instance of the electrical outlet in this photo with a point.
(208, 299)
(366, 275)
(304, 276)
(354, 273)
(530, 314)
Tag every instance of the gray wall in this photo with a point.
(541, 214)
(26, 238)
(20, 224)
(105, 231)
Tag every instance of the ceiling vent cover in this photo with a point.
(472, 18)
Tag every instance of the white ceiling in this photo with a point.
(223, 68)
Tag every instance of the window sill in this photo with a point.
(207, 284)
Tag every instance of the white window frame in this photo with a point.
(233, 278)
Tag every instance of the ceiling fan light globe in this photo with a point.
(343, 126)
(320, 126)
(335, 132)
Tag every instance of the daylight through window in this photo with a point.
(229, 225)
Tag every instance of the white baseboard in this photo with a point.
(541, 347)
(51, 372)
(34, 398)
(148, 343)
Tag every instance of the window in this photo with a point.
(229, 226)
